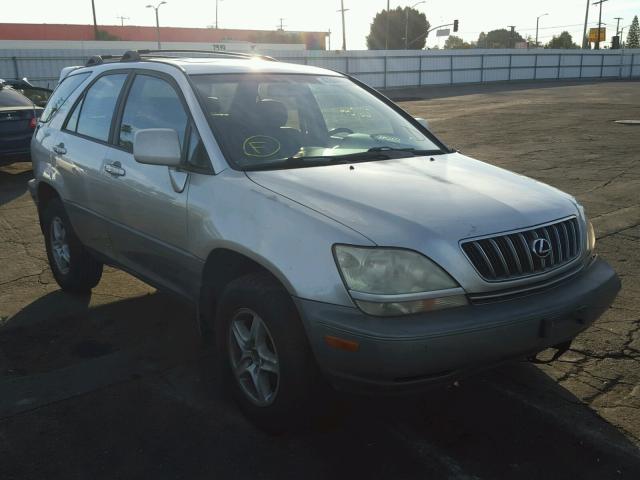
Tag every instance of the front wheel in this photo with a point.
(265, 354)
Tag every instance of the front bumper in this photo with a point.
(413, 352)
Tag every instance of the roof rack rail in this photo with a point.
(131, 56)
(100, 59)
(208, 52)
(138, 56)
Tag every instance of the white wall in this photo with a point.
(41, 62)
(391, 69)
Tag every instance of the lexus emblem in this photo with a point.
(541, 247)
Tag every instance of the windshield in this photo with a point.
(270, 121)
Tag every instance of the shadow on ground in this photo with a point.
(142, 399)
(13, 181)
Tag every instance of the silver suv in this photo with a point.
(321, 232)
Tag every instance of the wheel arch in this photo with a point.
(45, 193)
(224, 265)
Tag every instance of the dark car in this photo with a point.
(18, 119)
(38, 95)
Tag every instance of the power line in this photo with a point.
(541, 28)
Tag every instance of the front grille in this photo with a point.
(510, 256)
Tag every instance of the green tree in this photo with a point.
(501, 38)
(455, 42)
(416, 27)
(564, 40)
(104, 35)
(633, 37)
(482, 40)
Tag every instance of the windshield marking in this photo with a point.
(261, 146)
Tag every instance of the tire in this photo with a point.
(295, 388)
(73, 267)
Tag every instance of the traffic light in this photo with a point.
(615, 42)
(455, 25)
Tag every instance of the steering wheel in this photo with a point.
(340, 130)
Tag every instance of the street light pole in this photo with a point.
(217, 13)
(599, 23)
(344, 35)
(156, 8)
(386, 35)
(406, 24)
(537, 24)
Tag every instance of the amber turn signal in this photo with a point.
(341, 343)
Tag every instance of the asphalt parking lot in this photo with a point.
(118, 385)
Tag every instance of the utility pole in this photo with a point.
(344, 34)
(217, 13)
(281, 26)
(618, 24)
(95, 23)
(156, 8)
(406, 24)
(386, 33)
(122, 19)
(513, 31)
(585, 40)
(599, 23)
(537, 24)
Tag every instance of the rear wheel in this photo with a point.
(73, 267)
(265, 355)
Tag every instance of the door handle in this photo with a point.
(115, 169)
(60, 149)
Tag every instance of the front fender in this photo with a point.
(290, 240)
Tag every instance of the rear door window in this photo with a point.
(93, 114)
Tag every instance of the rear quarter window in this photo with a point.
(61, 93)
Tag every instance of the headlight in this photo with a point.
(385, 281)
(591, 237)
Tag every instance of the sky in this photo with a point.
(321, 15)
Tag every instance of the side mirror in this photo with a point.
(422, 122)
(157, 146)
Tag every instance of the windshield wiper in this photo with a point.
(375, 153)
(412, 150)
(319, 161)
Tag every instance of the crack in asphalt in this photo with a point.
(24, 277)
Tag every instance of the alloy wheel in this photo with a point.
(254, 358)
(60, 246)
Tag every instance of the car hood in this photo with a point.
(427, 204)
